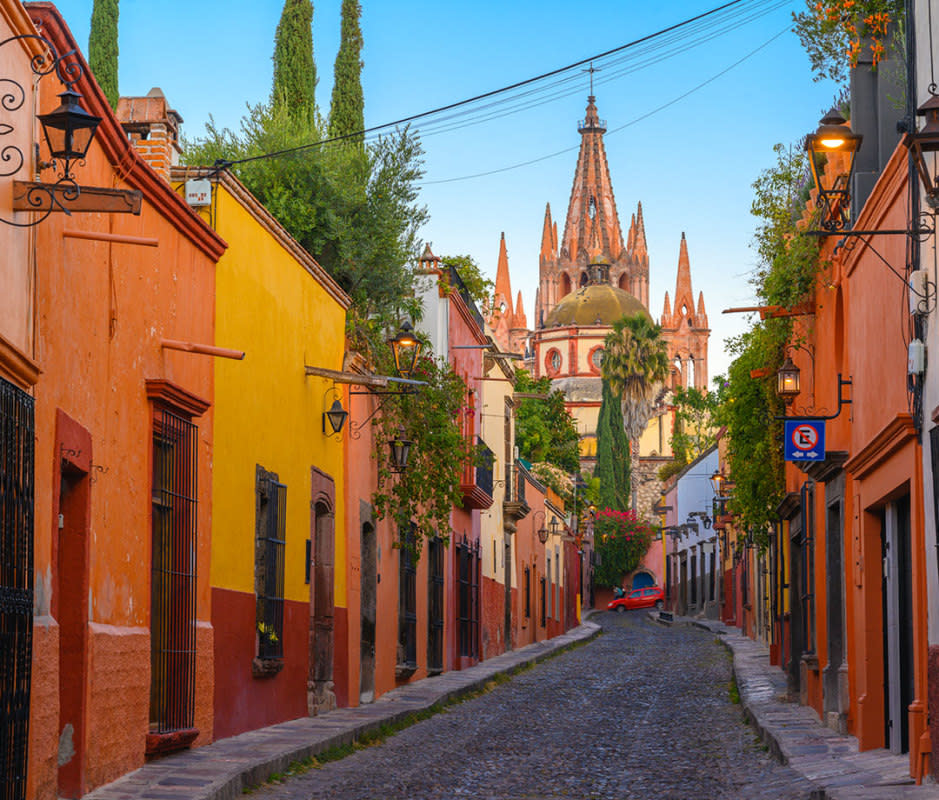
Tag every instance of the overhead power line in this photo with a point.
(490, 94)
(633, 121)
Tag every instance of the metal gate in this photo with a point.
(16, 585)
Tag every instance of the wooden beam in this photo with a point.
(353, 378)
(48, 197)
(202, 349)
(119, 238)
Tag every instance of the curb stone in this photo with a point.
(224, 769)
(830, 761)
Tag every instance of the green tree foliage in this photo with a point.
(694, 430)
(347, 106)
(635, 364)
(613, 467)
(620, 541)
(544, 429)
(478, 285)
(366, 239)
(294, 86)
(102, 48)
(426, 492)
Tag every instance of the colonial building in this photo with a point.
(588, 280)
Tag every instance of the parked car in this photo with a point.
(645, 597)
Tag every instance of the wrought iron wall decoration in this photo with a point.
(69, 130)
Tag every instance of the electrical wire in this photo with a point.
(633, 121)
(221, 164)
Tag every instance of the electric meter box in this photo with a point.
(199, 193)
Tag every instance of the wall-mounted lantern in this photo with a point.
(68, 130)
(834, 191)
(924, 141)
(542, 530)
(400, 450)
(405, 347)
(336, 416)
(787, 381)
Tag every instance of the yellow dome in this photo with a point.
(597, 304)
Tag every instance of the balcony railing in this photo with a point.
(514, 504)
(476, 483)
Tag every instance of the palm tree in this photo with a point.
(635, 364)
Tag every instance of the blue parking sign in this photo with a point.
(805, 440)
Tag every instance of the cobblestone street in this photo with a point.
(641, 711)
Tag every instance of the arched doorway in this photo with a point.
(642, 579)
(321, 696)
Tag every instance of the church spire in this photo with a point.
(549, 245)
(592, 202)
(503, 290)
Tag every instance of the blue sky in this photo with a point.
(691, 163)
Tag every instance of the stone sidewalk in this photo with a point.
(224, 769)
(831, 761)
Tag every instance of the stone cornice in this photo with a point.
(19, 366)
(267, 221)
(894, 435)
(129, 166)
(175, 396)
(823, 471)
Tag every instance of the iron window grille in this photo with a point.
(407, 603)
(435, 606)
(544, 615)
(270, 545)
(528, 592)
(173, 583)
(468, 564)
(16, 585)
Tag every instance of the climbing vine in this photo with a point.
(619, 540)
(431, 418)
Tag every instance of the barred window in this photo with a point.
(407, 604)
(270, 543)
(17, 426)
(468, 559)
(528, 591)
(173, 580)
(435, 604)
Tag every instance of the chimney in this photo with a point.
(153, 128)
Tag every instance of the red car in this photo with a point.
(646, 597)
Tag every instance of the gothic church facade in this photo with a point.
(587, 280)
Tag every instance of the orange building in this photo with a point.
(122, 636)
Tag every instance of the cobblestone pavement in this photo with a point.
(643, 711)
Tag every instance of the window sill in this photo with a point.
(160, 744)
(266, 667)
(404, 671)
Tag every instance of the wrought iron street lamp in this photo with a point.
(336, 416)
(405, 347)
(834, 190)
(69, 129)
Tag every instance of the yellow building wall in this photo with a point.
(267, 411)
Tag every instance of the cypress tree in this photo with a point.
(294, 70)
(612, 454)
(102, 47)
(347, 106)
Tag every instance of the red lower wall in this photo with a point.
(243, 702)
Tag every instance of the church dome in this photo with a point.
(596, 304)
